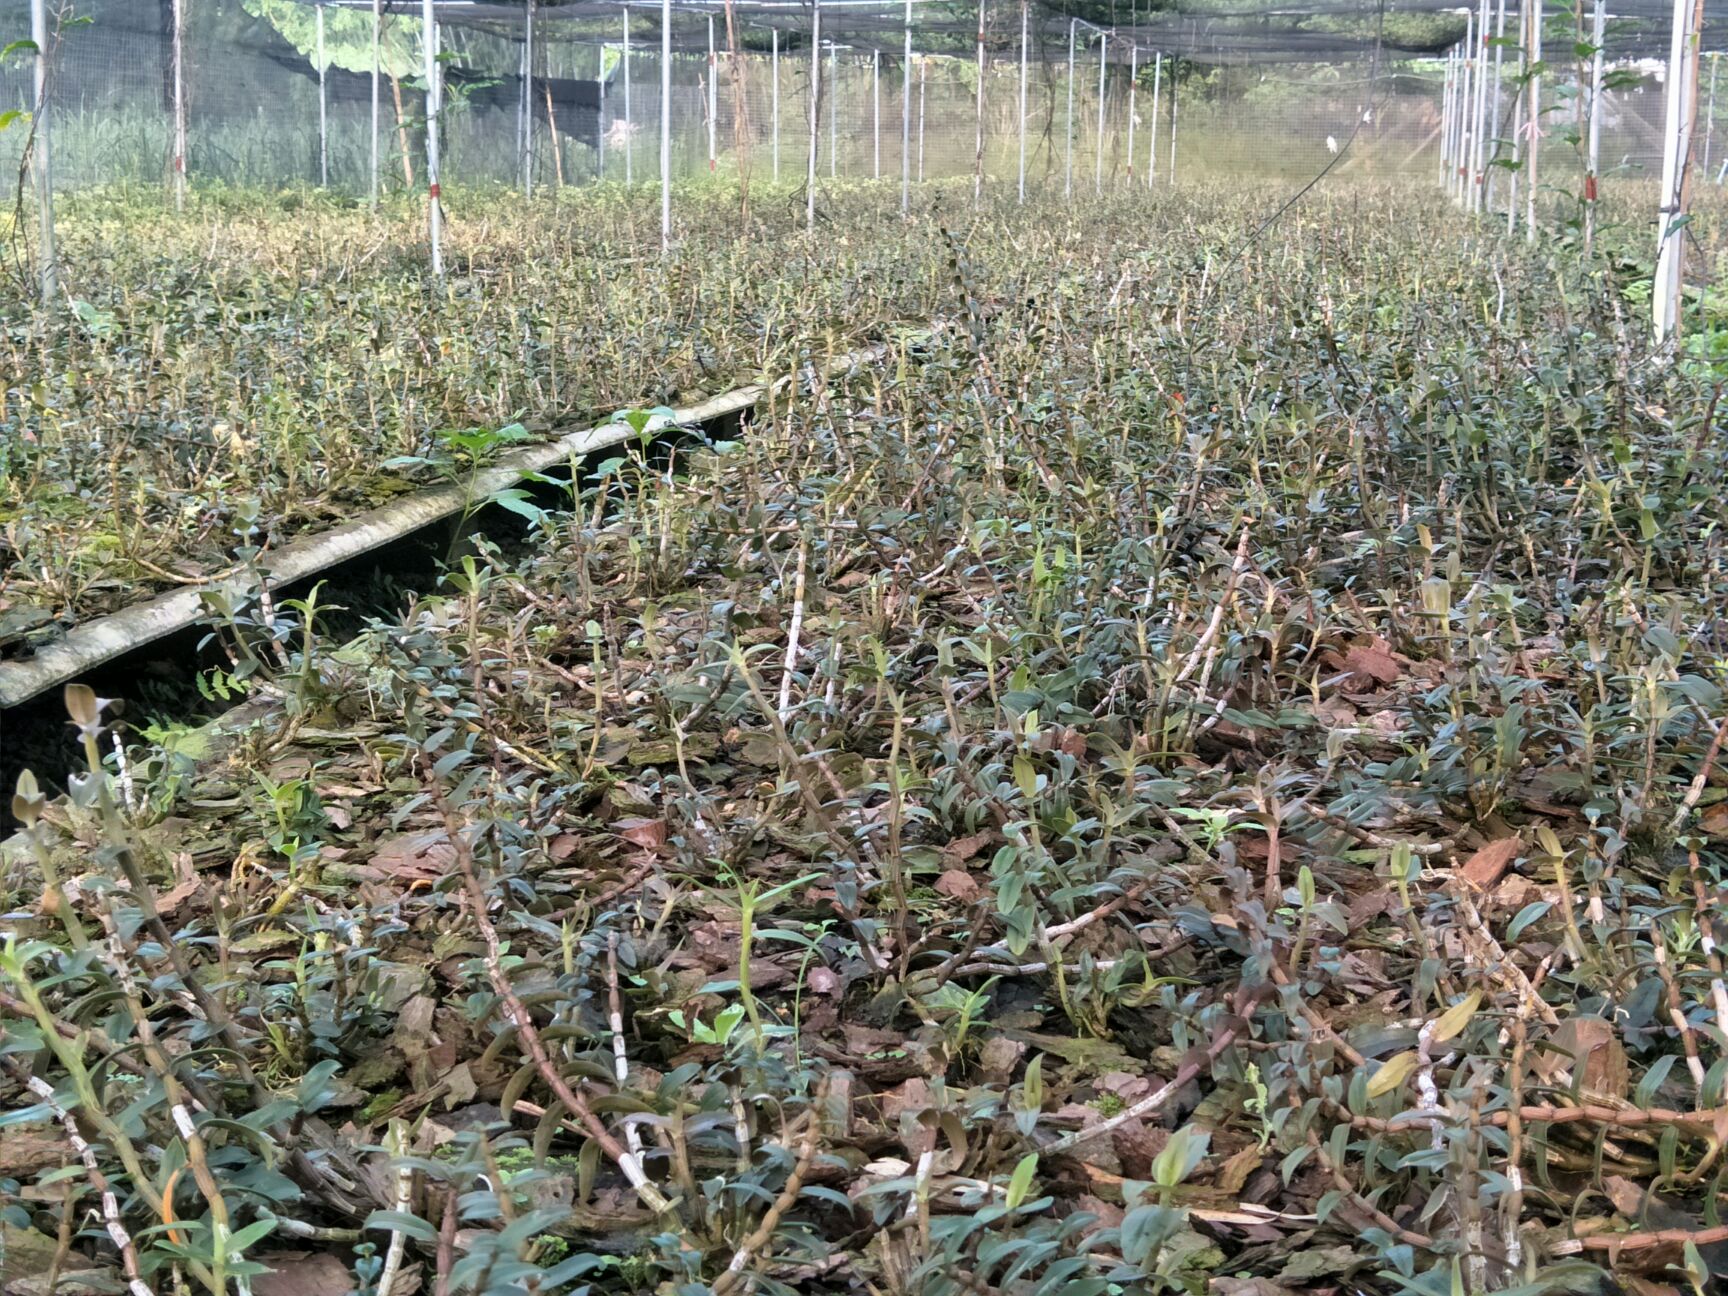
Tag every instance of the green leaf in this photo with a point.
(1020, 1182)
(402, 1222)
(1185, 1150)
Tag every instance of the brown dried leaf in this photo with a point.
(1483, 869)
(1373, 664)
(959, 884)
(649, 834)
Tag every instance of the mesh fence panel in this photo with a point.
(279, 93)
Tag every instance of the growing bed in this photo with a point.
(1204, 773)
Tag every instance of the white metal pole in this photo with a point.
(1024, 26)
(178, 54)
(665, 125)
(1152, 126)
(713, 101)
(600, 120)
(1598, 34)
(629, 123)
(876, 114)
(46, 271)
(833, 110)
(1133, 76)
(906, 118)
(978, 156)
(774, 91)
(527, 99)
(372, 149)
(1535, 118)
(323, 109)
(1676, 141)
(1068, 170)
(815, 100)
(1098, 150)
(434, 209)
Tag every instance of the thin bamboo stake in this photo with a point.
(323, 108)
(923, 78)
(815, 101)
(1534, 119)
(372, 143)
(1680, 129)
(434, 208)
(1152, 126)
(1478, 159)
(1592, 169)
(906, 118)
(1024, 21)
(1098, 149)
(1498, 106)
(525, 102)
(876, 114)
(178, 54)
(47, 272)
(665, 126)
(978, 156)
(1709, 112)
(629, 122)
(1133, 77)
(1068, 169)
(1170, 176)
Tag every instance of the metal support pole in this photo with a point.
(815, 101)
(372, 148)
(1024, 22)
(876, 114)
(47, 273)
(629, 122)
(1068, 169)
(600, 121)
(1594, 156)
(713, 101)
(323, 109)
(774, 113)
(906, 118)
(978, 157)
(1133, 76)
(1098, 150)
(833, 110)
(665, 126)
(434, 208)
(1152, 128)
(178, 54)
